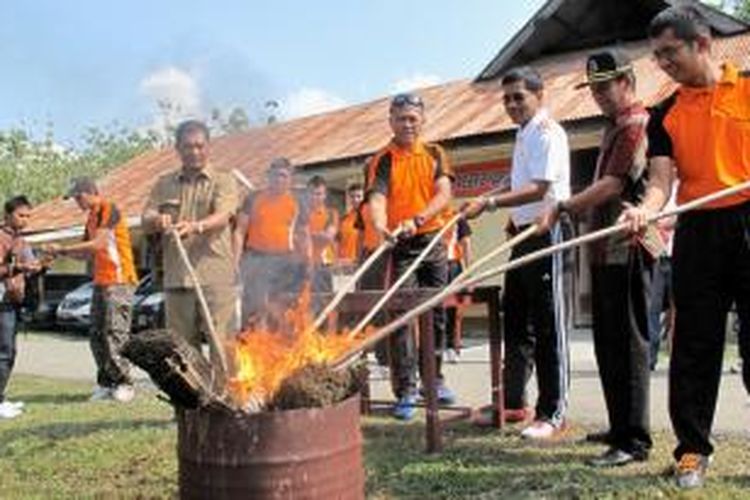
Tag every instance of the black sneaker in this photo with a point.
(599, 437)
(613, 457)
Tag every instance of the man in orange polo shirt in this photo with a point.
(106, 242)
(268, 243)
(322, 225)
(702, 133)
(350, 232)
(410, 190)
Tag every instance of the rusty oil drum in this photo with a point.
(295, 454)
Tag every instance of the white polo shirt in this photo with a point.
(541, 153)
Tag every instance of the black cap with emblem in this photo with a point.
(604, 66)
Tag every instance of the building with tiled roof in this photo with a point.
(466, 116)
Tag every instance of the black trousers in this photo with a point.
(452, 341)
(431, 273)
(8, 331)
(535, 330)
(620, 302)
(711, 266)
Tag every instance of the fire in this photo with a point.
(263, 359)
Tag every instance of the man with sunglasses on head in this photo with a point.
(535, 319)
(410, 191)
(619, 269)
(702, 133)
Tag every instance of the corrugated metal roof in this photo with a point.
(561, 26)
(455, 110)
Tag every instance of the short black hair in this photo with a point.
(14, 203)
(316, 181)
(190, 126)
(530, 77)
(356, 186)
(686, 22)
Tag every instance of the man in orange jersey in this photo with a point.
(701, 132)
(350, 232)
(410, 190)
(196, 202)
(268, 241)
(322, 225)
(106, 242)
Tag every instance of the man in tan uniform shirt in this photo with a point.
(198, 203)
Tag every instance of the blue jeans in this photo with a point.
(8, 328)
(661, 289)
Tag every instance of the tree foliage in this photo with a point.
(41, 169)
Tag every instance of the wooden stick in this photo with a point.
(343, 360)
(214, 339)
(367, 264)
(404, 276)
(243, 179)
(509, 244)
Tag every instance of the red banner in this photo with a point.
(476, 178)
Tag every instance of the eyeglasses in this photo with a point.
(668, 52)
(402, 100)
(517, 97)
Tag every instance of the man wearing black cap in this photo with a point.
(618, 268)
(106, 243)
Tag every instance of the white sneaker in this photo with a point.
(16, 404)
(540, 430)
(9, 411)
(124, 393)
(101, 393)
(451, 356)
(380, 372)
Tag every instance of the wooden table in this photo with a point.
(358, 303)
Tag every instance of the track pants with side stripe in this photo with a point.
(535, 330)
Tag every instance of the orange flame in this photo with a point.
(263, 359)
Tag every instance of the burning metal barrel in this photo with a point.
(313, 453)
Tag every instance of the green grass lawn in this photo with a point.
(65, 447)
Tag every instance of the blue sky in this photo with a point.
(81, 63)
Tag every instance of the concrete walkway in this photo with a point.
(69, 357)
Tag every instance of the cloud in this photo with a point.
(309, 101)
(175, 94)
(414, 81)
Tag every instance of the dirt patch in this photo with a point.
(316, 386)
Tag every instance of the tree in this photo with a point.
(42, 169)
(742, 9)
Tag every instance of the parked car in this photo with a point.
(148, 306)
(44, 294)
(74, 311)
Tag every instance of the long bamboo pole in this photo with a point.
(344, 359)
(213, 336)
(404, 276)
(361, 270)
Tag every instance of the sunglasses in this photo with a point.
(402, 100)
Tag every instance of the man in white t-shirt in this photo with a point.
(535, 321)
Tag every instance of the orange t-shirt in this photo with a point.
(272, 222)
(406, 177)
(113, 264)
(707, 132)
(319, 219)
(349, 236)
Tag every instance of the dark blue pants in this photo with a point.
(8, 330)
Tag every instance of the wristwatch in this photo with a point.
(418, 221)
